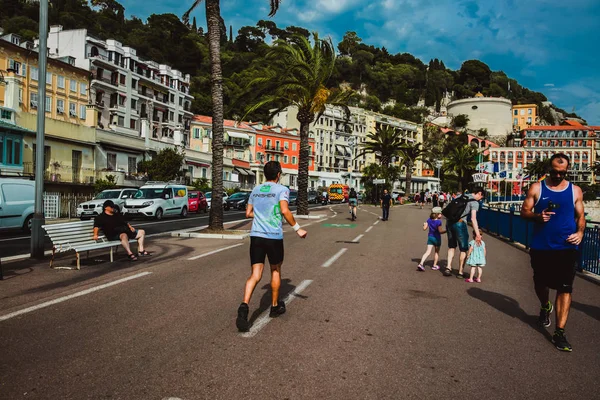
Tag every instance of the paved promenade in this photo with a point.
(362, 323)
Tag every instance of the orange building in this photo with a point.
(274, 143)
(524, 116)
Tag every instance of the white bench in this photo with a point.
(77, 236)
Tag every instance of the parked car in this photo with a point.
(313, 197)
(293, 197)
(197, 201)
(208, 196)
(17, 198)
(238, 201)
(92, 208)
(158, 200)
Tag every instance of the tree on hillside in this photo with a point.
(301, 83)
(214, 23)
(165, 166)
(460, 121)
(349, 43)
(461, 161)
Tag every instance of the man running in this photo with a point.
(267, 203)
(386, 202)
(556, 206)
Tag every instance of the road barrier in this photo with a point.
(506, 221)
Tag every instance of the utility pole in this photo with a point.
(37, 233)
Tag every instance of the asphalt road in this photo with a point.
(14, 242)
(363, 324)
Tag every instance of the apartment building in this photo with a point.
(274, 143)
(238, 151)
(69, 150)
(542, 142)
(524, 116)
(132, 97)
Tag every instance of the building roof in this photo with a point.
(573, 122)
(15, 128)
(524, 105)
(204, 119)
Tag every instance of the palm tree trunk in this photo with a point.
(303, 168)
(213, 21)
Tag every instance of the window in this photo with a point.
(10, 149)
(133, 104)
(60, 106)
(121, 121)
(83, 89)
(181, 101)
(268, 143)
(522, 111)
(82, 112)
(172, 98)
(60, 82)
(48, 104)
(294, 147)
(285, 159)
(49, 78)
(34, 73)
(122, 79)
(12, 64)
(72, 109)
(204, 172)
(171, 115)
(529, 111)
(111, 161)
(33, 100)
(529, 120)
(20, 96)
(516, 121)
(259, 141)
(131, 165)
(196, 133)
(294, 160)
(73, 85)
(277, 157)
(133, 83)
(132, 123)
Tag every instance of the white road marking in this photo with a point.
(215, 251)
(333, 259)
(356, 239)
(368, 229)
(376, 222)
(71, 296)
(264, 318)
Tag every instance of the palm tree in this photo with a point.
(385, 142)
(461, 160)
(300, 82)
(410, 153)
(538, 168)
(213, 22)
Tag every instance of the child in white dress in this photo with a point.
(476, 259)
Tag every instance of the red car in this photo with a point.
(197, 202)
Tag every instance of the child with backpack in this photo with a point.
(476, 259)
(434, 238)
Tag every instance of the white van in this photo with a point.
(17, 199)
(158, 200)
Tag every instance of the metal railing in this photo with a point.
(506, 221)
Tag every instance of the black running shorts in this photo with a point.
(261, 247)
(554, 268)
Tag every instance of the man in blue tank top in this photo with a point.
(556, 207)
(268, 205)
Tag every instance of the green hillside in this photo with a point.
(373, 72)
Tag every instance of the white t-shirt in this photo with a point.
(265, 200)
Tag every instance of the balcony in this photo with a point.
(59, 174)
(236, 143)
(102, 60)
(276, 149)
(105, 80)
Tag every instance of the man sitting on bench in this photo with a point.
(115, 227)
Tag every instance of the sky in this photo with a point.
(550, 46)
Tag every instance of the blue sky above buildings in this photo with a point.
(549, 46)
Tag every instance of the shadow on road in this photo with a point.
(265, 301)
(592, 311)
(508, 306)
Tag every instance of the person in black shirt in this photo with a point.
(115, 227)
(386, 202)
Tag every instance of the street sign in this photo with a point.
(480, 178)
(378, 181)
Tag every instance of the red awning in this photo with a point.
(197, 164)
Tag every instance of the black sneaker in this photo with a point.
(560, 341)
(277, 310)
(242, 319)
(447, 272)
(544, 319)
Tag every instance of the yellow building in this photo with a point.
(524, 116)
(69, 143)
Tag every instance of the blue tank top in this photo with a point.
(553, 234)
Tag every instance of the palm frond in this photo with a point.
(186, 16)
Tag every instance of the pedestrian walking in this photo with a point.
(267, 204)
(417, 199)
(114, 226)
(476, 259)
(352, 203)
(422, 199)
(386, 202)
(442, 200)
(556, 207)
(457, 213)
(434, 238)
(435, 199)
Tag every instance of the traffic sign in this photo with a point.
(378, 181)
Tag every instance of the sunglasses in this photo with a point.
(558, 173)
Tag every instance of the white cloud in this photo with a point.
(334, 6)
(548, 84)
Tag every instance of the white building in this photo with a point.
(491, 113)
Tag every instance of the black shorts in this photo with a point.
(554, 268)
(131, 235)
(261, 247)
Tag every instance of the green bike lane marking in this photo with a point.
(339, 225)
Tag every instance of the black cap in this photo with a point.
(108, 203)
